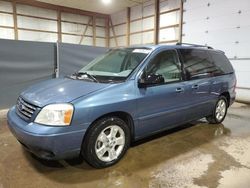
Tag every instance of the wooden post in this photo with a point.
(181, 22)
(157, 19)
(113, 30)
(128, 26)
(15, 20)
(59, 26)
(94, 30)
(107, 32)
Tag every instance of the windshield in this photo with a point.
(115, 65)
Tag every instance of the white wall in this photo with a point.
(6, 20)
(40, 24)
(118, 19)
(224, 25)
(169, 19)
(142, 18)
(145, 23)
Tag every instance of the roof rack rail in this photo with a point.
(194, 45)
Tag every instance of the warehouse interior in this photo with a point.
(47, 39)
(122, 23)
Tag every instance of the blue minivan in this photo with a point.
(122, 96)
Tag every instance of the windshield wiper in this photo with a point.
(79, 75)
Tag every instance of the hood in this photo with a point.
(60, 91)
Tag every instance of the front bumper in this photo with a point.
(44, 141)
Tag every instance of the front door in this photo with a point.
(162, 106)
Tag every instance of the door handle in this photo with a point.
(196, 86)
(179, 90)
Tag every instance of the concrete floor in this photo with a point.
(196, 155)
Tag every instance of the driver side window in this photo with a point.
(166, 64)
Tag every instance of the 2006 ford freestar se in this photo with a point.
(122, 96)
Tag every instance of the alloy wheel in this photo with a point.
(110, 143)
(220, 110)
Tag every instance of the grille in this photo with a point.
(24, 109)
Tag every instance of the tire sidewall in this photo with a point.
(88, 148)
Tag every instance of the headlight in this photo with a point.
(55, 114)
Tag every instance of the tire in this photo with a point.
(219, 111)
(106, 142)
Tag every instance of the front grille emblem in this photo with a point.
(22, 107)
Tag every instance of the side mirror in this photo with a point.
(149, 80)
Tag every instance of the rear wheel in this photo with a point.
(106, 142)
(219, 112)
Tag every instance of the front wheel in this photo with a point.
(219, 112)
(106, 142)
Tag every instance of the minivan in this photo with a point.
(120, 97)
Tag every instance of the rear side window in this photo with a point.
(198, 64)
(221, 62)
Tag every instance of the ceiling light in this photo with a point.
(106, 2)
